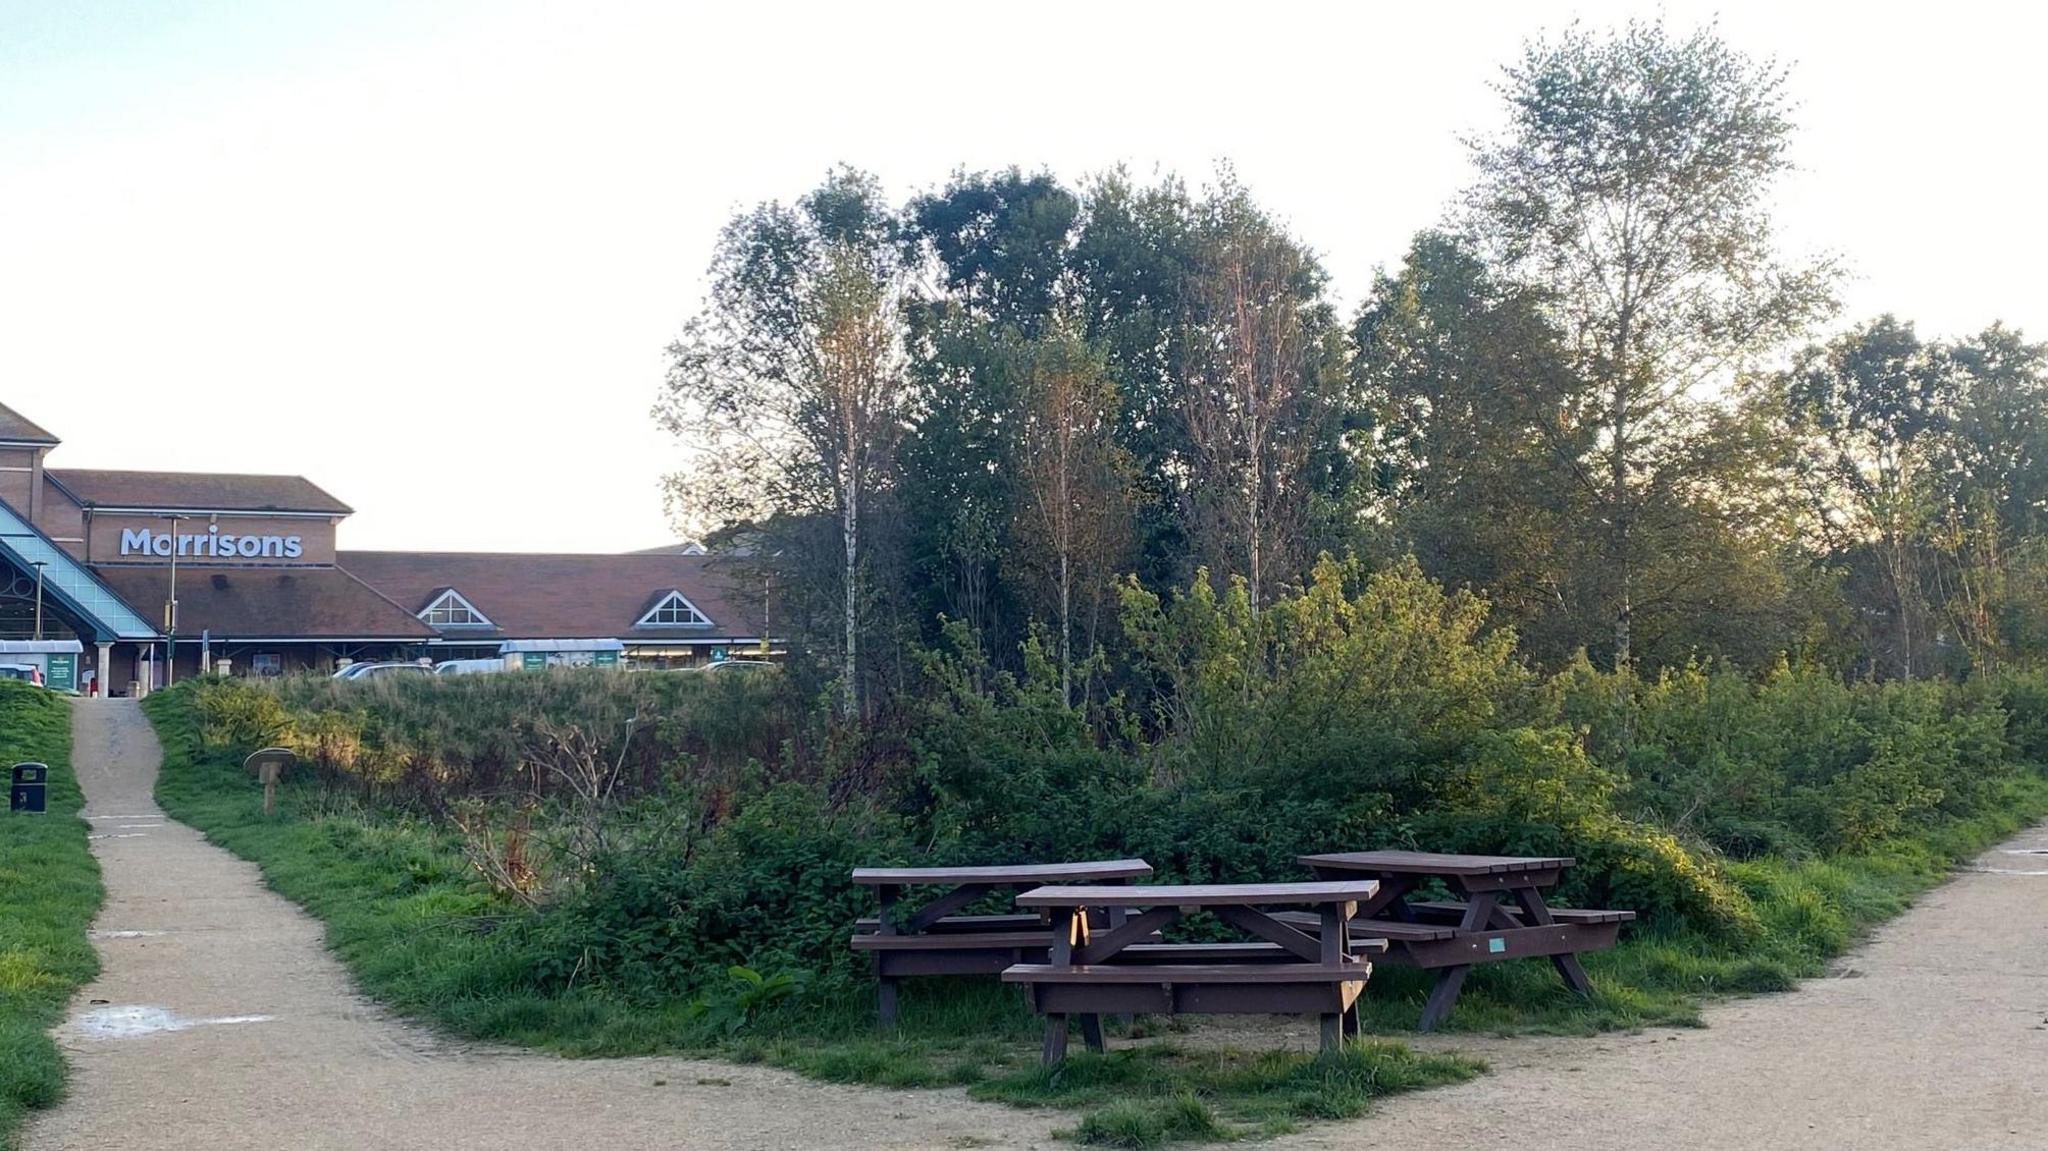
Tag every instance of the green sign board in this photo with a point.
(718, 655)
(61, 672)
(533, 660)
(604, 659)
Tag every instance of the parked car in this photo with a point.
(729, 666)
(26, 672)
(380, 670)
(469, 666)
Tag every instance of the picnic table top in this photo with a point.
(1202, 895)
(1004, 875)
(1434, 863)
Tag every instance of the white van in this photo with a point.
(469, 666)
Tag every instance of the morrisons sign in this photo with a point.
(210, 544)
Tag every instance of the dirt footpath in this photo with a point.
(220, 1022)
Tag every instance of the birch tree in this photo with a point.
(1632, 187)
(787, 389)
(1077, 482)
(1254, 402)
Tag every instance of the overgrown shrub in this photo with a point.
(662, 830)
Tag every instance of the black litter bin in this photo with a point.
(29, 787)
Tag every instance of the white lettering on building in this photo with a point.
(215, 544)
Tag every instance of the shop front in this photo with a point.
(159, 576)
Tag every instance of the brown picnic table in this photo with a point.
(1500, 914)
(1095, 968)
(934, 939)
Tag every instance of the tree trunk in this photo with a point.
(1066, 632)
(1618, 499)
(1901, 578)
(849, 690)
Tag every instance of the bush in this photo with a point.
(657, 831)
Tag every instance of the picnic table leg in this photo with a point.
(1091, 1032)
(885, 997)
(1478, 912)
(1055, 1039)
(885, 993)
(1574, 976)
(1091, 1023)
(1061, 954)
(1335, 941)
(1117, 917)
(1445, 993)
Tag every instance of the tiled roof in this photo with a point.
(196, 491)
(266, 602)
(554, 596)
(19, 428)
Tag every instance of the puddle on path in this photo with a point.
(125, 934)
(128, 1021)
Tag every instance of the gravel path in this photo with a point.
(220, 1022)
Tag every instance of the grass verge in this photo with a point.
(49, 890)
(405, 914)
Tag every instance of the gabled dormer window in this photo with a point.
(674, 610)
(449, 609)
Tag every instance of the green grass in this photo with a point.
(49, 890)
(407, 917)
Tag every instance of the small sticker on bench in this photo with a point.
(1496, 945)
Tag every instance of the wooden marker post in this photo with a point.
(269, 765)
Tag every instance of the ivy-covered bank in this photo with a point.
(49, 891)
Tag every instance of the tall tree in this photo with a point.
(788, 388)
(1631, 187)
(1133, 262)
(1873, 409)
(993, 248)
(1077, 479)
(1475, 464)
(1994, 488)
(1259, 396)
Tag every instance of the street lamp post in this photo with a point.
(171, 609)
(39, 565)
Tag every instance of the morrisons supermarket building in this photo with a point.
(261, 587)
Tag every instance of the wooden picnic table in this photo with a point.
(1452, 937)
(935, 940)
(1120, 969)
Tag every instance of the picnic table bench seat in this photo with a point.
(954, 924)
(1391, 930)
(1450, 911)
(1200, 953)
(953, 941)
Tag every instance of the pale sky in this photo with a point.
(429, 253)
